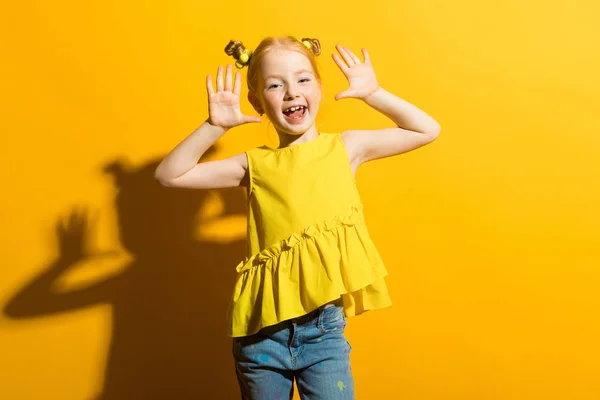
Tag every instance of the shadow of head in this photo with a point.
(152, 217)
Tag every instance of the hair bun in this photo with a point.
(237, 50)
(314, 45)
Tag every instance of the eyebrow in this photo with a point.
(297, 73)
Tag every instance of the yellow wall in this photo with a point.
(490, 233)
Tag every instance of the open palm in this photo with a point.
(361, 76)
(224, 104)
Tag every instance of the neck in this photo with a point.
(287, 139)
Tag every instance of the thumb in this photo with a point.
(248, 119)
(344, 94)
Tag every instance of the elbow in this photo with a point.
(160, 178)
(435, 131)
(163, 182)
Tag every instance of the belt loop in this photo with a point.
(320, 316)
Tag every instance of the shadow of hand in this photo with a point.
(73, 237)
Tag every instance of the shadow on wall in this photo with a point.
(169, 304)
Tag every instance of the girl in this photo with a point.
(310, 260)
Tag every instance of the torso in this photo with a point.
(350, 149)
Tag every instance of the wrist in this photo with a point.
(378, 90)
(216, 128)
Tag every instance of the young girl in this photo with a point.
(310, 262)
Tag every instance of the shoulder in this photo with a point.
(252, 158)
(257, 151)
(241, 159)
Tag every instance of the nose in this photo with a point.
(291, 92)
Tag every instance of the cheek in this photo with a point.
(314, 93)
(271, 104)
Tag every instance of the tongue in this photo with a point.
(295, 114)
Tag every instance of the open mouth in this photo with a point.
(295, 113)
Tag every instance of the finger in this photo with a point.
(209, 85)
(366, 55)
(228, 78)
(238, 83)
(343, 95)
(345, 55)
(220, 78)
(249, 119)
(352, 55)
(340, 63)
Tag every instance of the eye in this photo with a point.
(275, 84)
(304, 79)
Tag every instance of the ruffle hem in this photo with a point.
(308, 269)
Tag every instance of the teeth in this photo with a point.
(294, 108)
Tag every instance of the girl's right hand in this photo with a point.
(224, 105)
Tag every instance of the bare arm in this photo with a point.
(414, 129)
(180, 168)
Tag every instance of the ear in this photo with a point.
(255, 102)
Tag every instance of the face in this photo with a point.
(288, 80)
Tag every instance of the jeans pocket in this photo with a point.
(332, 319)
(241, 344)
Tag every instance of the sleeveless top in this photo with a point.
(307, 239)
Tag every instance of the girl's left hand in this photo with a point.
(361, 76)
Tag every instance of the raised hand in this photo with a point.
(224, 105)
(361, 76)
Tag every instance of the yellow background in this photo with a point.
(490, 233)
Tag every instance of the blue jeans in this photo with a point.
(312, 349)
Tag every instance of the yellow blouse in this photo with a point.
(307, 239)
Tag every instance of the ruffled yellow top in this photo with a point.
(307, 239)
